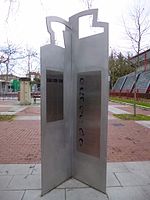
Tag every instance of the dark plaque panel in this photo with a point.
(54, 95)
(89, 113)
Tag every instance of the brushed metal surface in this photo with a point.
(90, 54)
(89, 113)
(54, 95)
(55, 135)
(86, 58)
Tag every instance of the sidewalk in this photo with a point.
(125, 181)
(20, 139)
(20, 143)
(127, 140)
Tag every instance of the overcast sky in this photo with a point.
(26, 24)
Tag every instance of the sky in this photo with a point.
(26, 25)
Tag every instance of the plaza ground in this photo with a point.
(20, 138)
(20, 143)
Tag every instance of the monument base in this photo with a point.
(73, 189)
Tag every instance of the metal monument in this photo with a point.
(74, 101)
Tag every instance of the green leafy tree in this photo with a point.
(118, 66)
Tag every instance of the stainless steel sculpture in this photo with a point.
(74, 94)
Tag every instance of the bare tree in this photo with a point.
(32, 57)
(12, 6)
(136, 31)
(138, 28)
(88, 3)
(9, 54)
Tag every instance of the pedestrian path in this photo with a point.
(113, 109)
(144, 123)
(12, 110)
(35, 117)
(125, 181)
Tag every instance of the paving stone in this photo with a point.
(57, 194)
(146, 190)
(139, 167)
(16, 169)
(126, 193)
(25, 182)
(144, 123)
(112, 180)
(116, 110)
(37, 169)
(4, 181)
(11, 195)
(73, 183)
(1, 166)
(117, 167)
(85, 194)
(132, 179)
(27, 118)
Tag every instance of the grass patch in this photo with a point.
(7, 117)
(132, 117)
(131, 101)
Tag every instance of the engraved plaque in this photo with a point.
(54, 95)
(89, 113)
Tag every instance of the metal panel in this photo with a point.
(90, 55)
(55, 135)
(54, 95)
(89, 113)
(82, 59)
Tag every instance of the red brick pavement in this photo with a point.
(20, 140)
(128, 141)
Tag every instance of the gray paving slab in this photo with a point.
(120, 106)
(11, 195)
(36, 169)
(144, 123)
(84, 194)
(117, 167)
(125, 181)
(73, 183)
(57, 194)
(4, 181)
(16, 169)
(139, 167)
(7, 113)
(27, 117)
(112, 181)
(17, 108)
(13, 110)
(133, 179)
(126, 193)
(146, 190)
(20, 182)
(1, 166)
(114, 110)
